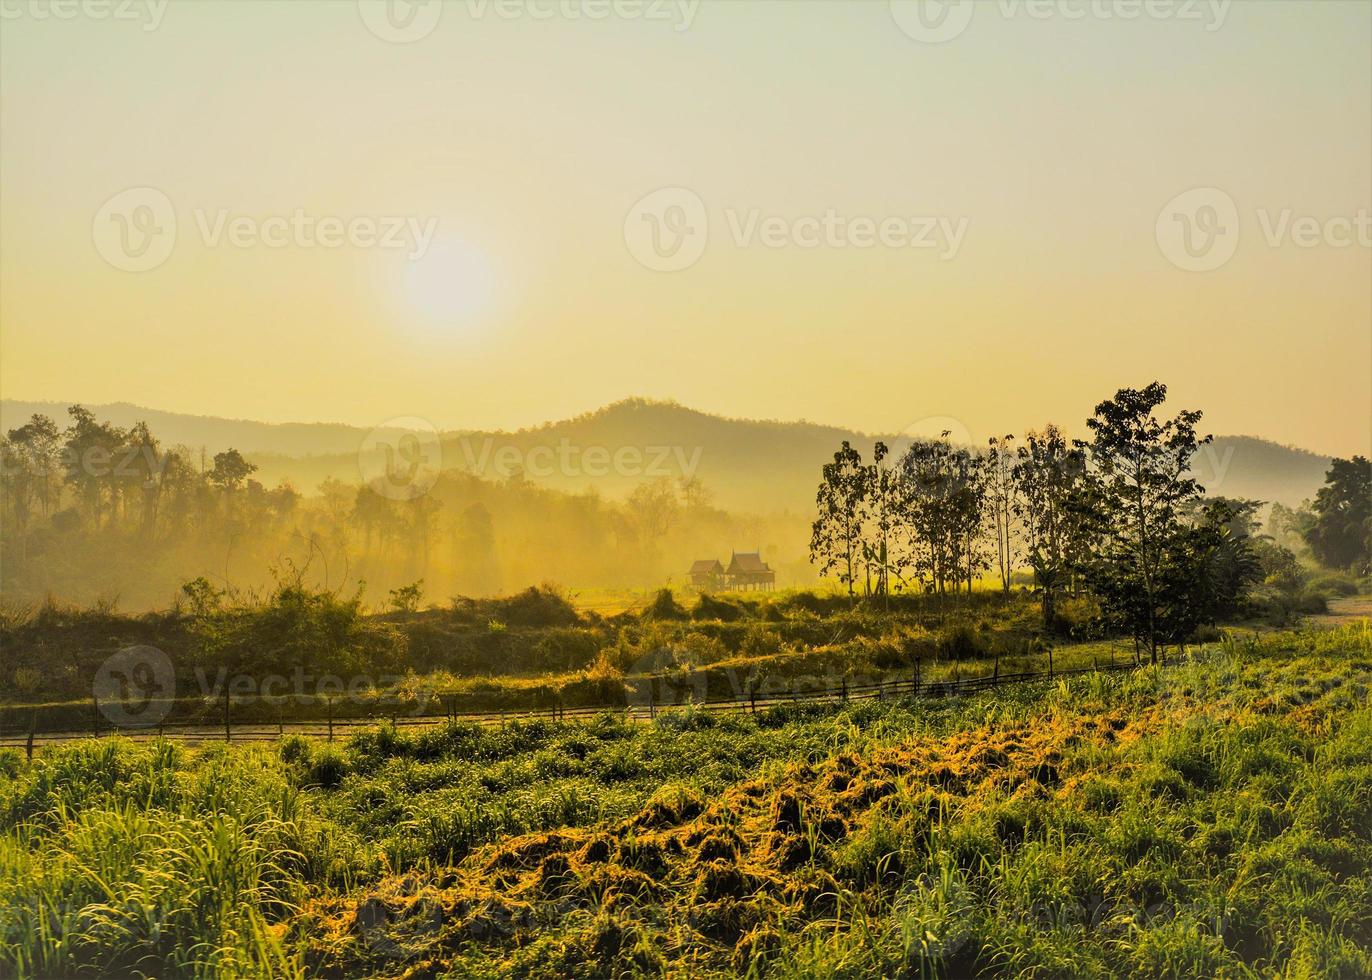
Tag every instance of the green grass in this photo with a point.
(1212, 818)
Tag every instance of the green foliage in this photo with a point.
(665, 607)
(714, 607)
(1340, 535)
(1206, 819)
(406, 599)
(961, 642)
(321, 633)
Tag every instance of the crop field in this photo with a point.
(1212, 817)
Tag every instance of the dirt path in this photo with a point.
(1351, 609)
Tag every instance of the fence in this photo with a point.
(644, 709)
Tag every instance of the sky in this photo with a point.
(494, 213)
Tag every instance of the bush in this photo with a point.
(1078, 617)
(328, 768)
(11, 763)
(665, 607)
(294, 749)
(961, 642)
(565, 648)
(1333, 585)
(1312, 603)
(318, 632)
(723, 610)
(543, 606)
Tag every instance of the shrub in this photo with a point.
(11, 763)
(708, 607)
(961, 642)
(543, 606)
(1312, 603)
(760, 641)
(328, 768)
(1334, 585)
(665, 607)
(294, 749)
(565, 648)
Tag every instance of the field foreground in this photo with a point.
(1207, 819)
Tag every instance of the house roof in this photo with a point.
(748, 561)
(707, 565)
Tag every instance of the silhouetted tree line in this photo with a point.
(1117, 515)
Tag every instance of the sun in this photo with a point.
(450, 283)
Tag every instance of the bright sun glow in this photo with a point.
(451, 283)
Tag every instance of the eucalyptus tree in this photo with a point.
(836, 537)
(1003, 504)
(884, 509)
(1048, 477)
(944, 507)
(1140, 494)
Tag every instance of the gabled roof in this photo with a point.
(748, 561)
(706, 566)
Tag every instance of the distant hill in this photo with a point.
(748, 465)
(214, 434)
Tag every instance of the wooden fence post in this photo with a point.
(33, 727)
(1050, 663)
(916, 691)
(226, 714)
(995, 675)
(95, 715)
(844, 682)
(329, 702)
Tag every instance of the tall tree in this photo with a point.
(836, 535)
(90, 448)
(1048, 476)
(883, 510)
(945, 502)
(1140, 494)
(1340, 535)
(1002, 500)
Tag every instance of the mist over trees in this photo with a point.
(95, 512)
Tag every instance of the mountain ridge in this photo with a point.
(757, 465)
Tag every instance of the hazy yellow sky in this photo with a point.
(1049, 139)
